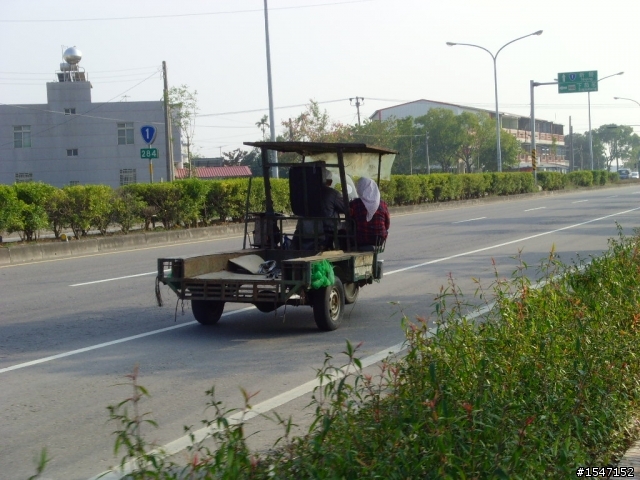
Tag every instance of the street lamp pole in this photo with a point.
(495, 85)
(589, 105)
(630, 99)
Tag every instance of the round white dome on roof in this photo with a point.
(72, 55)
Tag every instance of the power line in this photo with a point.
(184, 14)
(266, 108)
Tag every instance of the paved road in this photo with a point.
(56, 396)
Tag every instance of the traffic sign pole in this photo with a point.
(148, 133)
(150, 166)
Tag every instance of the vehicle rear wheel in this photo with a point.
(207, 312)
(351, 291)
(328, 306)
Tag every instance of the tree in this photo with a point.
(445, 137)
(509, 146)
(312, 125)
(234, 157)
(184, 107)
(475, 130)
(581, 158)
(617, 142)
(263, 124)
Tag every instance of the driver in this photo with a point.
(331, 207)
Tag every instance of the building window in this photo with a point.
(22, 136)
(69, 111)
(127, 176)
(125, 133)
(24, 177)
(72, 152)
(73, 183)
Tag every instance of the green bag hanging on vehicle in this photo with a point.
(322, 274)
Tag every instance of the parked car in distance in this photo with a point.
(635, 175)
(624, 173)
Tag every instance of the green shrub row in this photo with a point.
(28, 208)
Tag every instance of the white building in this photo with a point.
(549, 135)
(70, 140)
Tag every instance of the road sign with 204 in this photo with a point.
(148, 153)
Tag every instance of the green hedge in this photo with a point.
(28, 208)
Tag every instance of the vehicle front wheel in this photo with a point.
(328, 306)
(351, 291)
(207, 312)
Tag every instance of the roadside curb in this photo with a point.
(14, 255)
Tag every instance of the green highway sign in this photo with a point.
(577, 82)
(148, 153)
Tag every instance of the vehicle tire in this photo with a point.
(328, 306)
(351, 291)
(207, 312)
(267, 307)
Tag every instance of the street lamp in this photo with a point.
(589, 100)
(495, 83)
(630, 99)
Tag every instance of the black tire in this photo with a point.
(328, 306)
(207, 312)
(351, 291)
(267, 306)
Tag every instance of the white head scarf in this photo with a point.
(369, 194)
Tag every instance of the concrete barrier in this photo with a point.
(88, 246)
(175, 236)
(55, 250)
(5, 257)
(119, 242)
(200, 233)
(31, 253)
(156, 238)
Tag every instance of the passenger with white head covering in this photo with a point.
(370, 213)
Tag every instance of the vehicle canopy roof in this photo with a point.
(309, 149)
(359, 159)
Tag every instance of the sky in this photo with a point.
(384, 51)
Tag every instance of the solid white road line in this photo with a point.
(438, 260)
(108, 344)
(470, 220)
(112, 279)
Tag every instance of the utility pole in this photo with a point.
(426, 141)
(167, 124)
(272, 127)
(357, 99)
(573, 164)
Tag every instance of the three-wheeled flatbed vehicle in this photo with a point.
(288, 253)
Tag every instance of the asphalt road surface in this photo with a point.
(71, 329)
